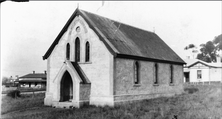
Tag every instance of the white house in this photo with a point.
(33, 80)
(99, 61)
(199, 71)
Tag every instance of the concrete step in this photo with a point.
(67, 105)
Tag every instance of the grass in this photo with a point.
(197, 102)
(22, 103)
(21, 89)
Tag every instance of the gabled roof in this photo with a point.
(123, 40)
(35, 75)
(192, 62)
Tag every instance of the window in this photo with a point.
(77, 50)
(136, 73)
(156, 73)
(199, 74)
(87, 52)
(67, 51)
(78, 29)
(171, 73)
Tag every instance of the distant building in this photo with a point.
(99, 61)
(10, 82)
(33, 80)
(199, 71)
(191, 53)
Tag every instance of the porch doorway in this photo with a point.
(66, 89)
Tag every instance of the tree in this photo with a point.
(201, 56)
(192, 47)
(218, 42)
(5, 80)
(209, 50)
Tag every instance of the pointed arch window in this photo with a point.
(136, 73)
(77, 50)
(171, 74)
(67, 51)
(156, 73)
(87, 52)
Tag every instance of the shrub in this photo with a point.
(191, 90)
(14, 94)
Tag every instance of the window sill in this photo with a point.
(171, 84)
(155, 84)
(84, 62)
(136, 85)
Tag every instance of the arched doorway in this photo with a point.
(66, 89)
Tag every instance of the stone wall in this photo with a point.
(84, 92)
(125, 89)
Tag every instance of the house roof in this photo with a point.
(192, 62)
(34, 75)
(123, 40)
(31, 81)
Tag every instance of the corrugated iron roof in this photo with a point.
(31, 80)
(192, 62)
(35, 75)
(122, 39)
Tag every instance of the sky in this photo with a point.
(29, 28)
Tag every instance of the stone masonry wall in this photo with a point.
(84, 92)
(125, 89)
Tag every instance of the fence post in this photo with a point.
(15, 95)
(33, 95)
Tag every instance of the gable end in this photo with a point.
(91, 25)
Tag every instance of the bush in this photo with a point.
(191, 90)
(14, 94)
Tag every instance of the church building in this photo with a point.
(98, 61)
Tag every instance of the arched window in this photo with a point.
(77, 50)
(156, 73)
(136, 73)
(67, 51)
(87, 52)
(171, 73)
